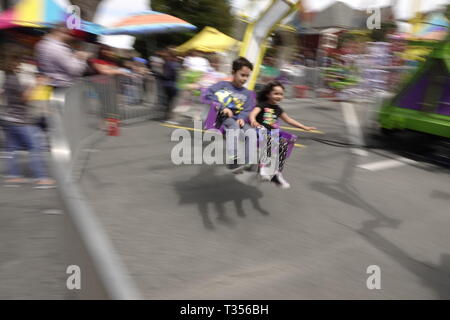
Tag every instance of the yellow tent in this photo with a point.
(209, 40)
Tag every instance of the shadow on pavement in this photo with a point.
(438, 194)
(344, 191)
(209, 189)
(417, 146)
(436, 277)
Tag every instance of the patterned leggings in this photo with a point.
(283, 148)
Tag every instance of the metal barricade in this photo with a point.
(101, 93)
(136, 98)
(126, 98)
(76, 116)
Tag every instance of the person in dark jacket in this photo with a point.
(169, 79)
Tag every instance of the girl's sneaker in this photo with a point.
(279, 180)
(265, 173)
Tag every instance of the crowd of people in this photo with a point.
(58, 60)
(183, 77)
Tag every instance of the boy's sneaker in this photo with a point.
(235, 167)
(279, 180)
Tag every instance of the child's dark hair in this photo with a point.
(262, 95)
(241, 62)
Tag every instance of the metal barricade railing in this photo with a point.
(102, 94)
(76, 116)
(126, 98)
(137, 98)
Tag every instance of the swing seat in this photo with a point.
(211, 122)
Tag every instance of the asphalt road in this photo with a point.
(198, 232)
(32, 255)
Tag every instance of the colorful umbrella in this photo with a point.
(148, 22)
(91, 27)
(40, 14)
(34, 13)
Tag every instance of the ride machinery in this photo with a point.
(258, 31)
(253, 48)
(423, 102)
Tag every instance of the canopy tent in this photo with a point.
(209, 40)
(148, 22)
(40, 14)
(434, 28)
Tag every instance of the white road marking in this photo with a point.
(359, 152)
(53, 211)
(353, 128)
(387, 164)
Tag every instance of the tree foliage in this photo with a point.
(201, 13)
(88, 8)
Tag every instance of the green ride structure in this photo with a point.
(423, 101)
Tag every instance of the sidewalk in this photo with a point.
(32, 264)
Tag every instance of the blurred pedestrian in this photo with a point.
(56, 59)
(196, 62)
(157, 62)
(18, 124)
(106, 63)
(169, 83)
(310, 59)
(156, 67)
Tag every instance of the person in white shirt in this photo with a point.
(196, 62)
